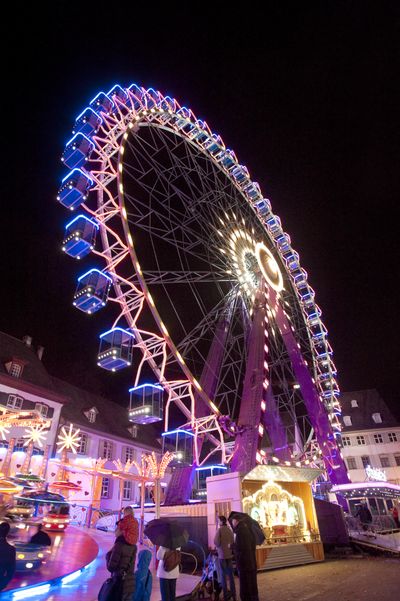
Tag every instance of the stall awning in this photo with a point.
(355, 490)
(278, 473)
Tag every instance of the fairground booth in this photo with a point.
(281, 500)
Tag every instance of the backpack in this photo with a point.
(171, 559)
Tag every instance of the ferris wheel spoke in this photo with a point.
(185, 277)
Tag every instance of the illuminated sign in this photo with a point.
(374, 473)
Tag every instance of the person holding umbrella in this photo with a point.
(170, 536)
(245, 554)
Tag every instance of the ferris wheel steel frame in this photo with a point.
(122, 113)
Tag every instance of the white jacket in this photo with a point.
(161, 573)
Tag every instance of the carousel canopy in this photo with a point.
(355, 490)
(278, 473)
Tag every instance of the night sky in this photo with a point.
(306, 93)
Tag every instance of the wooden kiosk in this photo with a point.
(280, 499)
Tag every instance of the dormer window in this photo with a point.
(133, 431)
(377, 418)
(354, 403)
(42, 409)
(347, 420)
(91, 415)
(14, 401)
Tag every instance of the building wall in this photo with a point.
(361, 444)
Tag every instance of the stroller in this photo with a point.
(210, 583)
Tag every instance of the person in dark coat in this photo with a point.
(365, 516)
(7, 556)
(245, 554)
(121, 563)
(41, 537)
(143, 577)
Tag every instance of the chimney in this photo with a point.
(27, 340)
(39, 351)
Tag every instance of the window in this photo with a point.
(377, 418)
(42, 409)
(392, 437)
(360, 439)
(20, 444)
(83, 444)
(14, 402)
(91, 416)
(128, 454)
(105, 488)
(134, 431)
(397, 459)
(347, 420)
(346, 442)
(378, 438)
(107, 450)
(351, 463)
(15, 370)
(354, 403)
(365, 460)
(127, 490)
(384, 461)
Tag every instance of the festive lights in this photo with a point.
(68, 440)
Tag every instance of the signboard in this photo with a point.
(375, 474)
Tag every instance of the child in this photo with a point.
(128, 527)
(143, 577)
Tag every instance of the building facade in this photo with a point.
(105, 432)
(370, 437)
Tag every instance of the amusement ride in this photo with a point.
(209, 295)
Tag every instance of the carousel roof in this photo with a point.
(280, 473)
(355, 490)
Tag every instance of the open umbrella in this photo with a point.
(253, 525)
(165, 532)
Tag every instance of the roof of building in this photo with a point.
(361, 406)
(34, 371)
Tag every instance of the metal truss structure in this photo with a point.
(207, 282)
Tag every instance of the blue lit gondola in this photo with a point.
(146, 403)
(77, 151)
(180, 443)
(87, 123)
(74, 189)
(115, 350)
(92, 291)
(80, 236)
(101, 103)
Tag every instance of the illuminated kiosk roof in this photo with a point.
(368, 489)
(282, 474)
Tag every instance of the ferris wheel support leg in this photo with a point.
(273, 424)
(245, 453)
(318, 415)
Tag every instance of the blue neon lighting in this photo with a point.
(70, 577)
(94, 270)
(88, 108)
(115, 89)
(79, 134)
(70, 174)
(32, 591)
(119, 330)
(100, 94)
(177, 432)
(146, 385)
(210, 467)
(96, 225)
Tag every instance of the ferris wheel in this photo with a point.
(209, 293)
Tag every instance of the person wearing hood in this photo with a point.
(245, 554)
(143, 577)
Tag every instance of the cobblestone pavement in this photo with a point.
(363, 578)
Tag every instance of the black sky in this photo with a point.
(306, 93)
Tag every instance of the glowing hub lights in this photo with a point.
(68, 440)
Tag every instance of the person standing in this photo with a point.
(120, 561)
(223, 542)
(128, 527)
(41, 537)
(167, 578)
(7, 556)
(245, 554)
(143, 577)
(395, 514)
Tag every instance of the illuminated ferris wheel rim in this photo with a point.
(182, 122)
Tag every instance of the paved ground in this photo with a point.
(350, 579)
